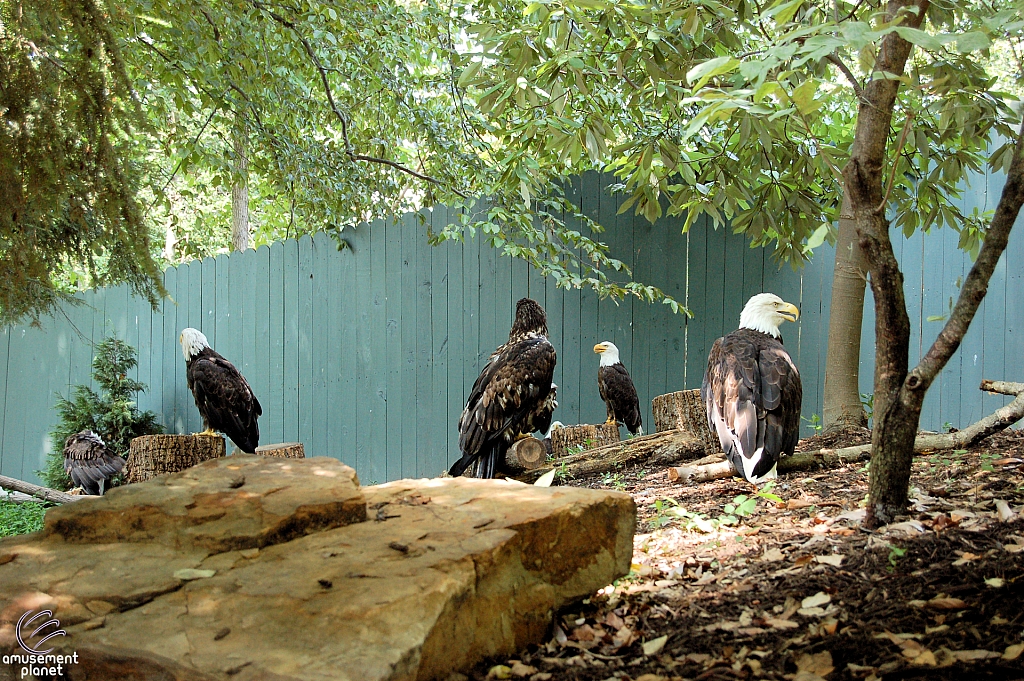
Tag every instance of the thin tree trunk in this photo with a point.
(240, 189)
(895, 422)
(842, 408)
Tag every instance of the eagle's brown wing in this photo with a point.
(88, 461)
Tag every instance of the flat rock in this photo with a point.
(443, 574)
(223, 504)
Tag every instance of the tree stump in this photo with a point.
(285, 450)
(573, 439)
(684, 410)
(153, 455)
(525, 455)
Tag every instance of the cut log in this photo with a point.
(44, 493)
(152, 455)
(998, 420)
(574, 439)
(684, 411)
(285, 450)
(658, 448)
(525, 455)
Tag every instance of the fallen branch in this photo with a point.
(998, 420)
(658, 448)
(44, 493)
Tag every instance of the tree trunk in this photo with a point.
(284, 450)
(572, 439)
(152, 455)
(240, 188)
(684, 411)
(843, 408)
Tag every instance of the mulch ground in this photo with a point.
(729, 585)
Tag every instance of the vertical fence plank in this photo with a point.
(698, 336)
(395, 358)
(376, 346)
(272, 422)
(440, 342)
(345, 365)
(305, 339)
(407, 327)
(456, 351)
(571, 355)
(324, 342)
(428, 457)
(290, 413)
(260, 366)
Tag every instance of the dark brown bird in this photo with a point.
(223, 396)
(617, 389)
(510, 397)
(89, 463)
(752, 392)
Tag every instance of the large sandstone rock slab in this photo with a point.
(442, 574)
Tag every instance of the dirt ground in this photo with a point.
(726, 585)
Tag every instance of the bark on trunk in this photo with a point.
(240, 189)
(284, 450)
(684, 411)
(573, 439)
(842, 407)
(152, 455)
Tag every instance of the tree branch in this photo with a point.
(857, 89)
(311, 53)
(976, 285)
(892, 176)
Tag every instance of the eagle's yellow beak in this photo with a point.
(789, 309)
(600, 347)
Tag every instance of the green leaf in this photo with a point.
(919, 38)
(818, 238)
(699, 75)
(972, 42)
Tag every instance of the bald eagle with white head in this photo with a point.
(752, 392)
(617, 389)
(223, 396)
(512, 396)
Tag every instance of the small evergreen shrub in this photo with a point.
(112, 414)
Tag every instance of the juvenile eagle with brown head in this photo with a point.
(223, 396)
(511, 397)
(89, 463)
(617, 389)
(752, 392)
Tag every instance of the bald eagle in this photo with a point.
(89, 463)
(752, 391)
(511, 397)
(617, 389)
(222, 394)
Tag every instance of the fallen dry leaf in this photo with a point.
(499, 671)
(805, 559)
(651, 677)
(834, 559)
(946, 604)
(995, 582)
(818, 599)
(925, 658)
(1006, 514)
(773, 555)
(519, 669)
(972, 655)
(781, 624)
(654, 646)
(819, 664)
(1013, 652)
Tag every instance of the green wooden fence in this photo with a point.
(367, 354)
